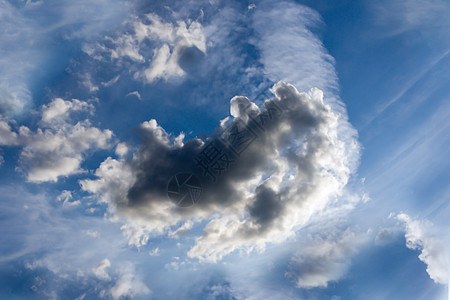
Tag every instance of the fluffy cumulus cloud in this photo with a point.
(277, 166)
(58, 146)
(175, 46)
(420, 235)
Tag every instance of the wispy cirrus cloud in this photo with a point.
(28, 29)
(405, 16)
(290, 51)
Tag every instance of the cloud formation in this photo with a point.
(420, 236)
(175, 47)
(289, 24)
(323, 258)
(296, 163)
(101, 269)
(58, 146)
(128, 285)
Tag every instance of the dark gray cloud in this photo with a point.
(264, 172)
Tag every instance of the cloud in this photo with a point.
(7, 136)
(57, 147)
(29, 29)
(66, 196)
(13, 98)
(176, 46)
(16, 59)
(100, 270)
(58, 110)
(386, 236)
(404, 16)
(420, 236)
(121, 149)
(128, 285)
(154, 252)
(324, 258)
(302, 59)
(296, 164)
(135, 93)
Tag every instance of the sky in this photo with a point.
(224, 149)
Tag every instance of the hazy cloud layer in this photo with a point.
(101, 271)
(323, 258)
(128, 285)
(295, 165)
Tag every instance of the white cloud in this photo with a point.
(126, 46)
(121, 149)
(13, 98)
(15, 62)
(26, 35)
(172, 44)
(112, 81)
(406, 15)
(86, 80)
(290, 51)
(100, 270)
(164, 65)
(135, 93)
(91, 233)
(324, 258)
(65, 197)
(420, 235)
(154, 252)
(59, 109)
(183, 229)
(57, 148)
(7, 136)
(129, 285)
(386, 236)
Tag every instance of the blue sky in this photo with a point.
(343, 195)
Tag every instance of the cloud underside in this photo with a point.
(297, 162)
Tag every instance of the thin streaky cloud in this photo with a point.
(411, 83)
